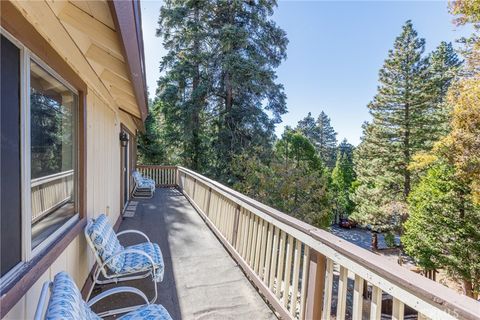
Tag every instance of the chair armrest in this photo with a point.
(115, 291)
(41, 301)
(134, 231)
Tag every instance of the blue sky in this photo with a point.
(336, 49)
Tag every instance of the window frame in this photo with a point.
(12, 273)
(30, 254)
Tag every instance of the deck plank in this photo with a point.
(201, 279)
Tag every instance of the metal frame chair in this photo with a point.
(144, 187)
(104, 266)
(67, 302)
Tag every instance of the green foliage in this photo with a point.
(51, 135)
(308, 127)
(322, 135)
(150, 144)
(343, 176)
(464, 96)
(409, 115)
(296, 148)
(327, 141)
(390, 239)
(444, 65)
(220, 80)
(248, 47)
(294, 181)
(442, 230)
(183, 89)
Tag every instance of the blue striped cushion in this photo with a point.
(106, 242)
(136, 262)
(66, 301)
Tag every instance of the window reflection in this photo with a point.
(52, 129)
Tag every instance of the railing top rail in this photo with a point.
(152, 166)
(442, 297)
(38, 181)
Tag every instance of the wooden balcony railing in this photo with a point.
(303, 271)
(50, 192)
(164, 176)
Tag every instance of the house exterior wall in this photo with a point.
(103, 192)
(102, 146)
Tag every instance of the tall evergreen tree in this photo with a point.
(408, 95)
(151, 143)
(444, 66)
(184, 28)
(345, 148)
(308, 127)
(248, 47)
(343, 176)
(327, 140)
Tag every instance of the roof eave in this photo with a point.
(128, 23)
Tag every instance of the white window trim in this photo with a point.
(26, 56)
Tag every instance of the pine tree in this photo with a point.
(308, 127)
(444, 66)
(184, 28)
(343, 176)
(408, 96)
(151, 147)
(248, 47)
(345, 148)
(327, 140)
(220, 80)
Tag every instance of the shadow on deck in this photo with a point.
(201, 280)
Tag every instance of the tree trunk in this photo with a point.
(406, 152)
(197, 101)
(374, 242)
(468, 289)
(228, 125)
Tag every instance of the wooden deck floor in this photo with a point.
(201, 280)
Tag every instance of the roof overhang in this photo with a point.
(128, 23)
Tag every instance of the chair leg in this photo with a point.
(96, 281)
(155, 288)
(131, 308)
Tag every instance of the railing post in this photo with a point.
(193, 192)
(315, 286)
(235, 225)
(207, 208)
(177, 179)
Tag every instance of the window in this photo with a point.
(52, 135)
(39, 177)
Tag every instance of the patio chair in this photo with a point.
(118, 263)
(65, 302)
(144, 187)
